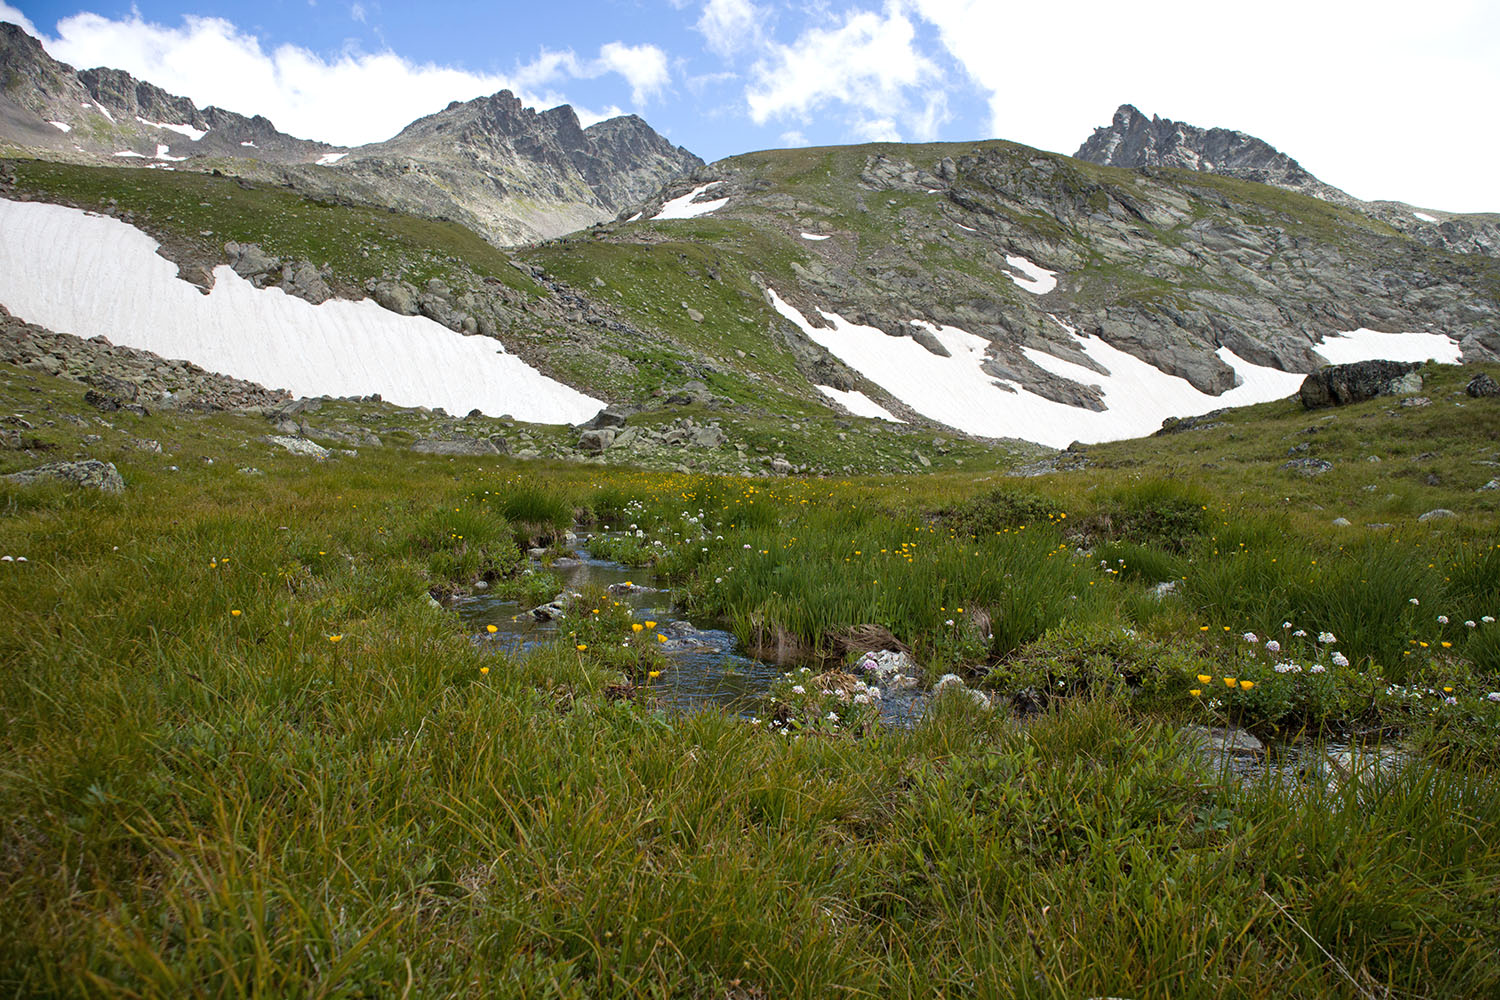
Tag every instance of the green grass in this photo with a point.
(194, 802)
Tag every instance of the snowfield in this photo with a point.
(329, 159)
(187, 130)
(90, 275)
(858, 403)
(1038, 280)
(685, 208)
(1137, 396)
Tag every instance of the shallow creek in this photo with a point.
(709, 670)
(708, 667)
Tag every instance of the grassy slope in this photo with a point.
(194, 802)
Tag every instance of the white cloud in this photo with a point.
(354, 98)
(357, 12)
(729, 27)
(644, 67)
(794, 138)
(14, 16)
(1386, 101)
(870, 64)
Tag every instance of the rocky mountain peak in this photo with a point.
(1133, 140)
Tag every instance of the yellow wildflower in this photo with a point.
(335, 638)
(1196, 692)
(1204, 678)
(636, 626)
(653, 674)
(581, 647)
(1229, 682)
(484, 670)
(660, 637)
(235, 612)
(491, 629)
(1247, 685)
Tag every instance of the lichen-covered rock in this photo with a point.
(457, 445)
(89, 474)
(1339, 385)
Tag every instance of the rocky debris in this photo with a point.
(1440, 514)
(1308, 467)
(1493, 484)
(554, 610)
(127, 375)
(1339, 385)
(460, 444)
(89, 474)
(1482, 386)
(299, 446)
(1416, 401)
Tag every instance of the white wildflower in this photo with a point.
(1272, 646)
(1326, 637)
(832, 717)
(798, 689)
(1250, 637)
(1488, 619)
(1412, 600)
(1286, 624)
(1493, 696)
(1470, 624)
(1442, 619)
(1316, 668)
(1340, 660)
(1300, 633)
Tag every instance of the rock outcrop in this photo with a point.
(1339, 385)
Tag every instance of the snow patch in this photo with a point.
(252, 145)
(814, 237)
(1425, 217)
(164, 154)
(858, 403)
(634, 217)
(91, 275)
(686, 208)
(192, 133)
(103, 110)
(1368, 345)
(1038, 280)
(967, 229)
(131, 153)
(957, 392)
(61, 126)
(329, 159)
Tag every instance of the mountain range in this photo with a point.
(506, 171)
(986, 288)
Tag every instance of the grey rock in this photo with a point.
(711, 436)
(610, 416)
(299, 446)
(596, 441)
(1339, 385)
(1482, 386)
(1440, 514)
(302, 279)
(1493, 484)
(397, 296)
(1220, 740)
(250, 261)
(99, 401)
(89, 474)
(1341, 522)
(456, 445)
(1308, 467)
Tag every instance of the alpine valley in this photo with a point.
(519, 559)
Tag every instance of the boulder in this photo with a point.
(397, 296)
(1440, 514)
(91, 474)
(459, 445)
(611, 416)
(299, 446)
(595, 441)
(1338, 385)
(250, 261)
(303, 280)
(1482, 385)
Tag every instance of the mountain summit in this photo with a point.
(511, 173)
(1133, 140)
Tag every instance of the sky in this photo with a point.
(1384, 99)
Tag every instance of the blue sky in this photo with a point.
(1385, 99)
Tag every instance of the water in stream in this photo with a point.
(710, 670)
(708, 667)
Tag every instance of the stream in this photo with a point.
(710, 670)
